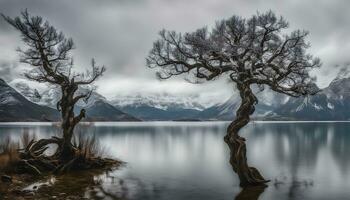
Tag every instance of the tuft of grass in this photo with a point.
(8, 154)
(88, 146)
(89, 151)
(26, 138)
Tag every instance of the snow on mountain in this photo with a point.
(161, 106)
(15, 107)
(268, 101)
(343, 73)
(49, 95)
(97, 107)
(28, 89)
(164, 101)
(331, 103)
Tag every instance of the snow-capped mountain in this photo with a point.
(332, 103)
(160, 106)
(317, 107)
(162, 101)
(163, 106)
(50, 95)
(15, 107)
(268, 102)
(97, 107)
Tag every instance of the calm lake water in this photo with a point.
(189, 160)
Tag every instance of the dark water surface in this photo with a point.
(189, 160)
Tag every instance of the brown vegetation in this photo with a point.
(31, 155)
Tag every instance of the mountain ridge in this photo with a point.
(331, 103)
(97, 108)
(15, 107)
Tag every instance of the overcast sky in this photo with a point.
(119, 34)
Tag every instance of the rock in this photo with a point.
(26, 191)
(30, 194)
(17, 191)
(6, 179)
(17, 182)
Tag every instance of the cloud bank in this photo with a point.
(119, 34)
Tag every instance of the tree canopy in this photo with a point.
(48, 52)
(256, 50)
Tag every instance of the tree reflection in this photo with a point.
(302, 152)
(250, 193)
(79, 185)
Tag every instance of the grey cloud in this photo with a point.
(120, 33)
(8, 70)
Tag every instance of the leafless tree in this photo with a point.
(48, 52)
(254, 51)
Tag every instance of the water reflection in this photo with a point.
(185, 160)
(250, 193)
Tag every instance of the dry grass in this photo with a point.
(26, 138)
(8, 153)
(88, 146)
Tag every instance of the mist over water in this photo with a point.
(189, 160)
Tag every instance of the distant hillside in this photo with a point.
(15, 107)
(101, 111)
(161, 107)
(97, 107)
(268, 102)
(149, 113)
(332, 103)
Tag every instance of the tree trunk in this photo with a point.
(248, 176)
(66, 151)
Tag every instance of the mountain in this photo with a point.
(162, 101)
(50, 95)
(15, 107)
(159, 107)
(268, 102)
(332, 103)
(149, 113)
(102, 111)
(167, 107)
(97, 107)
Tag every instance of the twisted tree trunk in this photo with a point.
(248, 176)
(69, 121)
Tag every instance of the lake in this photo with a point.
(189, 160)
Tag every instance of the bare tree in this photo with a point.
(252, 51)
(48, 52)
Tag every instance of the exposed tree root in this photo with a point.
(33, 160)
